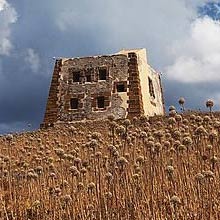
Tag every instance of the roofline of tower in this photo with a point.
(121, 52)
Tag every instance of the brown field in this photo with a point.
(158, 168)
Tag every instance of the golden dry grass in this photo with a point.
(162, 168)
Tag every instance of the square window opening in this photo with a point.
(102, 74)
(88, 78)
(101, 102)
(74, 103)
(121, 88)
(76, 76)
(88, 74)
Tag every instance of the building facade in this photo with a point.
(122, 84)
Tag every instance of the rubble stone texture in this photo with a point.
(122, 84)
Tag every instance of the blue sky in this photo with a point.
(211, 9)
(182, 38)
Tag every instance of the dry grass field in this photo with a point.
(160, 168)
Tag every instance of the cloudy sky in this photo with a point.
(182, 38)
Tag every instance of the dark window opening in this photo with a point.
(88, 78)
(101, 102)
(74, 103)
(102, 74)
(76, 76)
(88, 74)
(121, 88)
(151, 88)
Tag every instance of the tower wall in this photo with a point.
(148, 98)
(52, 105)
(95, 87)
(151, 94)
(135, 107)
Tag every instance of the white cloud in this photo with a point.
(197, 57)
(5, 46)
(32, 59)
(2, 4)
(179, 43)
(8, 16)
(68, 19)
(127, 23)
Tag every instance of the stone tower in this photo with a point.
(122, 84)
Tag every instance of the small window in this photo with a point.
(88, 75)
(101, 102)
(76, 76)
(121, 88)
(102, 74)
(74, 103)
(151, 87)
(88, 78)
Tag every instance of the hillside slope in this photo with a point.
(158, 168)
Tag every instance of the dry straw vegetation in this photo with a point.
(158, 168)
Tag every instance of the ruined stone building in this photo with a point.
(94, 87)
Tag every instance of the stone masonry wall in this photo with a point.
(162, 94)
(87, 92)
(124, 92)
(148, 86)
(52, 105)
(135, 107)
